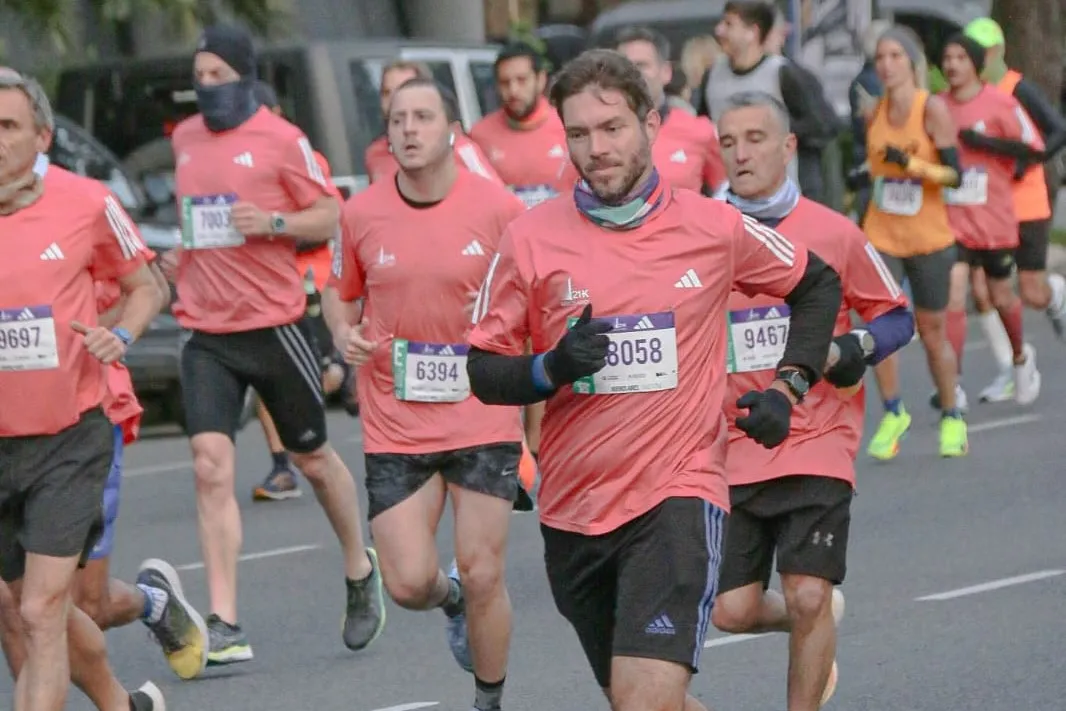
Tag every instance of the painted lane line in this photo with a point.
(992, 585)
(157, 469)
(411, 707)
(1005, 422)
(733, 639)
(273, 553)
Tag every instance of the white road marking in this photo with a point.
(733, 639)
(274, 553)
(992, 585)
(157, 469)
(1005, 422)
(411, 707)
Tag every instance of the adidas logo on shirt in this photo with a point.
(245, 159)
(661, 625)
(53, 253)
(474, 249)
(644, 324)
(678, 157)
(689, 280)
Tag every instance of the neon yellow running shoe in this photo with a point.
(953, 439)
(885, 444)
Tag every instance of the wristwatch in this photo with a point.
(796, 381)
(123, 335)
(866, 341)
(277, 223)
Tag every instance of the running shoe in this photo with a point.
(364, 614)
(147, 698)
(458, 640)
(279, 485)
(229, 645)
(953, 437)
(1001, 389)
(962, 402)
(179, 630)
(1027, 378)
(885, 443)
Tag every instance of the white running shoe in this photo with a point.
(1001, 389)
(962, 402)
(1027, 378)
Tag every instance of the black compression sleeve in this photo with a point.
(950, 157)
(502, 380)
(1018, 150)
(1044, 114)
(814, 305)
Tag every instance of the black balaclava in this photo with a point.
(226, 106)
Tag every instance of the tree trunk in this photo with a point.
(1034, 31)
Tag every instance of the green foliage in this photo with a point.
(522, 31)
(52, 18)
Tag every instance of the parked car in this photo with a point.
(328, 88)
(154, 359)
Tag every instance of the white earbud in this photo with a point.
(451, 140)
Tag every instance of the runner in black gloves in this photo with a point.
(848, 362)
(580, 353)
(769, 415)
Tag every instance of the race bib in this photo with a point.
(533, 195)
(28, 339)
(757, 338)
(898, 197)
(641, 357)
(973, 191)
(207, 224)
(429, 372)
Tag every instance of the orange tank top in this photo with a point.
(1031, 200)
(907, 217)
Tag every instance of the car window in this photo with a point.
(484, 75)
(442, 73)
(72, 150)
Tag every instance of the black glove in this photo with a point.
(580, 353)
(769, 416)
(897, 156)
(851, 367)
(857, 178)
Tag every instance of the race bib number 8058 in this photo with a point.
(641, 356)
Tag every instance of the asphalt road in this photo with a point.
(983, 533)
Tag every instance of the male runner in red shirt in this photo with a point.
(250, 189)
(313, 263)
(56, 444)
(424, 436)
(633, 497)
(982, 209)
(794, 501)
(686, 150)
(379, 161)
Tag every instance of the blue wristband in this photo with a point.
(540, 376)
(123, 335)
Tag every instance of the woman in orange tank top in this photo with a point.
(913, 156)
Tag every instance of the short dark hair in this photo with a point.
(606, 69)
(517, 50)
(753, 12)
(447, 98)
(645, 34)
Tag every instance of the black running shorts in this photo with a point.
(642, 590)
(487, 469)
(281, 364)
(51, 492)
(803, 519)
(929, 276)
(1033, 239)
(996, 263)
